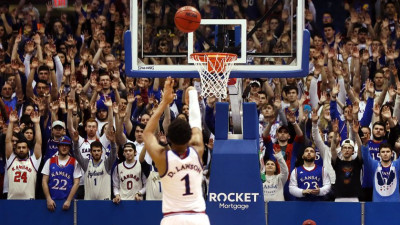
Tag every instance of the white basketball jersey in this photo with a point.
(97, 182)
(21, 179)
(130, 180)
(181, 184)
(153, 186)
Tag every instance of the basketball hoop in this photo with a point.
(214, 69)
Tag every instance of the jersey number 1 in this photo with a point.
(187, 185)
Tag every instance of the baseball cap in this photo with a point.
(309, 222)
(58, 123)
(65, 140)
(283, 127)
(255, 82)
(348, 142)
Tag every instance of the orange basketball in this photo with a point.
(187, 19)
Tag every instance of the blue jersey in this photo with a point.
(385, 179)
(61, 179)
(310, 180)
(51, 150)
(318, 159)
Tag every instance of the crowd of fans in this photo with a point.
(65, 93)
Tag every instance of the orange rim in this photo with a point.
(213, 56)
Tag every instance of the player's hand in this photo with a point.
(117, 199)
(306, 192)
(66, 205)
(168, 93)
(51, 205)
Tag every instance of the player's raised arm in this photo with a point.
(155, 150)
(192, 100)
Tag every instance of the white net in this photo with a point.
(214, 70)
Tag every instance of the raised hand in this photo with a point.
(50, 63)
(35, 118)
(13, 117)
(54, 106)
(110, 135)
(114, 84)
(335, 89)
(29, 46)
(18, 38)
(49, 6)
(93, 107)
(277, 102)
(162, 138)
(369, 85)
(115, 108)
(122, 111)
(386, 114)
(291, 117)
(130, 97)
(35, 63)
(277, 149)
(168, 93)
(107, 101)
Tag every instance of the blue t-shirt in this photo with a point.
(385, 179)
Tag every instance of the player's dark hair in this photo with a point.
(96, 144)
(384, 145)
(179, 132)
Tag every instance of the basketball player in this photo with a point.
(97, 171)
(61, 175)
(21, 167)
(180, 169)
(309, 182)
(128, 178)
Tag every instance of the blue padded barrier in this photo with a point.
(382, 213)
(323, 213)
(34, 212)
(127, 212)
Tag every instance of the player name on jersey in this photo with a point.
(187, 166)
